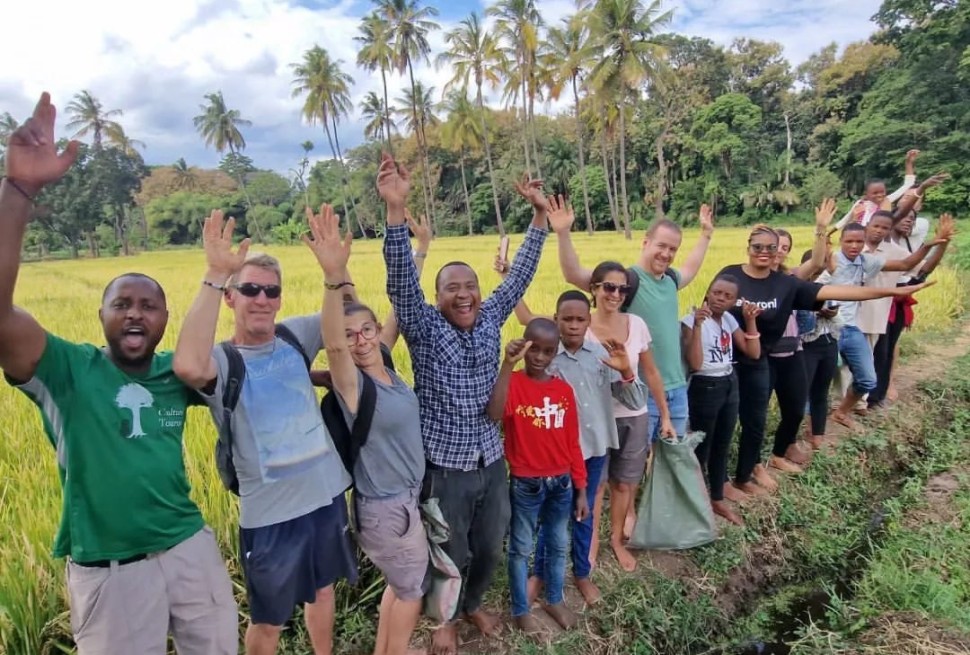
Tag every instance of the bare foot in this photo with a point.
(799, 452)
(782, 464)
(488, 624)
(562, 615)
(533, 588)
(762, 477)
(628, 524)
(735, 495)
(589, 591)
(527, 623)
(444, 641)
(723, 509)
(626, 559)
(844, 420)
(861, 411)
(750, 488)
(892, 395)
(817, 441)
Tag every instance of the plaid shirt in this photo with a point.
(455, 371)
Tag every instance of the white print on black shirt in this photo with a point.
(763, 305)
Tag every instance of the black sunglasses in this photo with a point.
(609, 287)
(251, 289)
(763, 247)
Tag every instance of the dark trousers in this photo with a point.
(821, 363)
(475, 504)
(884, 355)
(754, 385)
(791, 389)
(713, 404)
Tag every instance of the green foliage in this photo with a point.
(178, 218)
(268, 188)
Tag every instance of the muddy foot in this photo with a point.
(626, 559)
(763, 478)
(591, 594)
(844, 420)
(817, 441)
(735, 495)
(533, 589)
(799, 452)
(723, 509)
(784, 465)
(488, 624)
(527, 623)
(750, 488)
(444, 641)
(562, 615)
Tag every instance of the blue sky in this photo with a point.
(155, 61)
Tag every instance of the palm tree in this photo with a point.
(518, 22)
(327, 90)
(116, 136)
(625, 29)
(219, 127)
(377, 53)
(410, 24)
(474, 52)
(378, 118)
(569, 54)
(89, 117)
(185, 178)
(418, 103)
(461, 131)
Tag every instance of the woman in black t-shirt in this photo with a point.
(777, 294)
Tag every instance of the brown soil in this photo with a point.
(909, 634)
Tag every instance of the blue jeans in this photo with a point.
(582, 530)
(677, 404)
(857, 355)
(538, 500)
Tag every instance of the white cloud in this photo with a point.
(155, 61)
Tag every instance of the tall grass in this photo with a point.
(65, 295)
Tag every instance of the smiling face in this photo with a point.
(572, 317)
(608, 292)
(364, 338)
(762, 250)
(133, 316)
(784, 247)
(659, 250)
(876, 192)
(459, 297)
(853, 241)
(255, 317)
(722, 296)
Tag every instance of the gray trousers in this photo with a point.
(475, 505)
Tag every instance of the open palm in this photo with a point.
(32, 158)
(331, 251)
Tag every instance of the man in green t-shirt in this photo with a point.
(140, 562)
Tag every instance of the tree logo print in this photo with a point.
(134, 397)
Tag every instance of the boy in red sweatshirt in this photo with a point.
(547, 471)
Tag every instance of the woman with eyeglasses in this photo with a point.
(777, 295)
(609, 286)
(389, 467)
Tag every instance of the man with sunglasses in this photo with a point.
(140, 562)
(294, 540)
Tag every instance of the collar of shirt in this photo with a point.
(563, 351)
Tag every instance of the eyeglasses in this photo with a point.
(251, 289)
(367, 330)
(609, 287)
(763, 247)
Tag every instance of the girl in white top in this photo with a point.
(609, 285)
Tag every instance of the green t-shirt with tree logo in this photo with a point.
(118, 439)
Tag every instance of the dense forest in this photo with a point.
(652, 124)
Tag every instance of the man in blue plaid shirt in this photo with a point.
(454, 347)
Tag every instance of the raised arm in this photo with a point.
(692, 265)
(193, 362)
(572, 271)
(747, 339)
(522, 312)
(389, 331)
(332, 254)
(514, 352)
(850, 293)
(928, 265)
(909, 200)
(691, 338)
(823, 217)
(909, 179)
(403, 286)
(508, 294)
(32, 162)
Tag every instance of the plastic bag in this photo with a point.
(675, 509)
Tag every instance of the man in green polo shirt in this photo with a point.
(655, 302)
(141, 563)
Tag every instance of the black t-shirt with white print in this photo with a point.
(778, 295)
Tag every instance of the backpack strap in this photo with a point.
(230, 398)
(365, 416)
(286, 334)
(386, 356)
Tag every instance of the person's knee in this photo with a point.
(265, 630)
(325, 596)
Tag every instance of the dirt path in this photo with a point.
(932, 359)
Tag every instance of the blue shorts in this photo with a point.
(677, 404)
(286, 563)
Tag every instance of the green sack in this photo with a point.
(675, 509)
